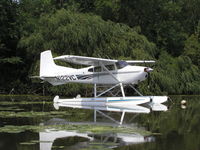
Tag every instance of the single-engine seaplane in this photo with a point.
(99, 71)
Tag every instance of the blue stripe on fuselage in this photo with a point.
(125, 100)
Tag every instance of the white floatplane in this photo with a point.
(116, 73)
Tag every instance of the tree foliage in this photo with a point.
(165, 30)
(192, 47)
(85, 34)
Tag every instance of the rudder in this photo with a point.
(47, 64)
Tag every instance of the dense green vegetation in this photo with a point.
(164, 30)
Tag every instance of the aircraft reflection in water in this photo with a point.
(76, 140)
(83, 140)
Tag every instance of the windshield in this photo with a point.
(121, 64)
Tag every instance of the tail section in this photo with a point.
(48, 68)
(47, 64)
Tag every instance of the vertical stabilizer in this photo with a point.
(49, 70)
(47, 65)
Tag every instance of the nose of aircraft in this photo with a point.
(147, 69)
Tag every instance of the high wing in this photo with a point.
(139, 61)
(92, 61)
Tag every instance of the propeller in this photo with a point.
(148, 70)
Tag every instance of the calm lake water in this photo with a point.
(32, 123)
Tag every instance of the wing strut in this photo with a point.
(121, 86)
(104, 67)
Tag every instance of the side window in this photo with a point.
(110, 67)
(91, 69)
(97, 69)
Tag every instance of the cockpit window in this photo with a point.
(121, 64)
(95, 69)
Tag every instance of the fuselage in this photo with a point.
(98, 75)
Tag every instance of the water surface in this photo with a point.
(32, 123)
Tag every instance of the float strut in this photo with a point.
(135, 90)
(122, 117)
(95, 90)
(95, 116)
(107, 90)
(122, 89)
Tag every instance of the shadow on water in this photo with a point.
(32, 123)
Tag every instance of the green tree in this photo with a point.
(10, 58)
(192, 47)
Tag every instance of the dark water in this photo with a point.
(32, 123)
